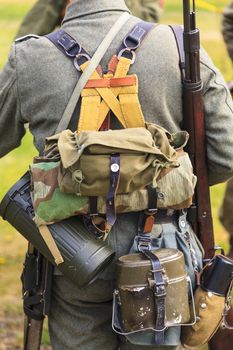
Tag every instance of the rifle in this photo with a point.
(200, 212)
(36, 279)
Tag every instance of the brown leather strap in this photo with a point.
(178, 33)
(112, 82)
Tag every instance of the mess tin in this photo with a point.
(134, 293)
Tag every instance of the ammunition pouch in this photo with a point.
(151, 295)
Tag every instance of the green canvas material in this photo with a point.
(77, 165)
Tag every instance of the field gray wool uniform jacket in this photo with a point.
(227, 28)
(35, 87)
(37, 82)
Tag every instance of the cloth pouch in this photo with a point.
(76, 166)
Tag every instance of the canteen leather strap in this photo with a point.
(159, 292)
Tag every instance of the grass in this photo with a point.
(12, 166)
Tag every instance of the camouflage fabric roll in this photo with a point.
(50, 204)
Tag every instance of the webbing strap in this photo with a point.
(159, 292)
(73, 50)
(178, 33)
(69, 46)
(133, 40)
(122, 100)
(51, 244)
(69, 110)
(122, 69)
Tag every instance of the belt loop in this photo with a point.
(114, 182)
(182, 221)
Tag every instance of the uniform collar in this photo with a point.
(81, 8)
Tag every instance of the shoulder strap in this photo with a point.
(115, 91)
(134, 39)
(69, 46)
(73, 50)
(67, 115)
(178, 33)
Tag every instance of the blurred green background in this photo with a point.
(12, 166)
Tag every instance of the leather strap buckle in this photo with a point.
(127, 53)
(71, 47)
(144, 242)
(159, 290)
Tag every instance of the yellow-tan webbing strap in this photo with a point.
(98, 101)
(51, 244)
(132, 114)
(90, 105)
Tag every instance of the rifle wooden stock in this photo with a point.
(32, 333)
(194, 123)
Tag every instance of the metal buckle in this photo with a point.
(160, 290)
(68, 45)
(216, 248)
(158, 270)
(151, 211)
(77, 66)
(127, 49)
(144, 246)
(132, 38)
